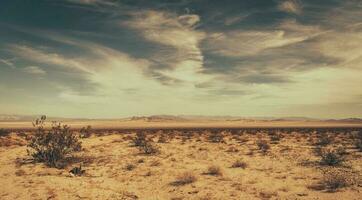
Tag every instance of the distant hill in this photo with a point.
(158, 118)
(347, 120)
(182, 118)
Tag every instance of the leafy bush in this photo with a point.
(54, 145)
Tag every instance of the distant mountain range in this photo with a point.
(181, 118)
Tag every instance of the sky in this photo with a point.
(109, 58)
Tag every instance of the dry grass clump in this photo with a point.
(53, 146)
(214, 171)
(239, 164)
(263, 145)
(184, 179)
(130, 167)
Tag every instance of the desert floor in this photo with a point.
(116, 169)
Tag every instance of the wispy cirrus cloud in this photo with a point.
(35, 70)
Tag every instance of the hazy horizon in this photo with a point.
(116, 59)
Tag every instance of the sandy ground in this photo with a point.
(117, 170)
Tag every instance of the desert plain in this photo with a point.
(202, 160)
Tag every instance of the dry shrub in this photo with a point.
(263, 145)
(184, 179)
(358, 140)
(85, 132)
(77, 171)
(149, 148)
(53, 146)
(358, 145)
(334, 179)
(163, 138)
(331, 157)
(140, 139)
(239, 164)
(144, 145)
(276, 137)
(214, 171)
(130, 167)
(324, 139)
(4, 132)
(216, 137)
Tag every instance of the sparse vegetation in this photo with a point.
(184, 179)
(225, 166)
(331, 157)
(54, 145)
(334, 179)
(275, 137)
(214, 171)
(263, 145)
(4, 132)
(358, 141)
(130, 167)
(85, 132)
(139, 139)
(163, 138)
(216, 137)
(239, 164)
(148, 147)
(77, 171)
(324, 139)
